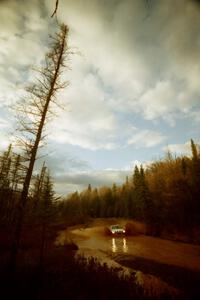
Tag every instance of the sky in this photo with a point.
(134, 83)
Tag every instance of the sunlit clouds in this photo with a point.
(134, 80)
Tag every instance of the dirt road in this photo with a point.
(167, 262)
(163, 251)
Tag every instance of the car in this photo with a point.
(116, 229)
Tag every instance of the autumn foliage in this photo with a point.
(165, 196)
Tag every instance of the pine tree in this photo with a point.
(16, 175)
(143, 204)
(5, 168)
(195, 178)
(89, 188)
(136, 203)
(46, 210)
(95, 203)
(194, 150)
(148, 207)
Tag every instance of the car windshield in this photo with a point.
(115, 227)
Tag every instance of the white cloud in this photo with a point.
(195, 115)
(121, 69)
(138, 163)
(89, 123)
(5, 139)
(3, 123)
(80, 180)
(168, 102)
(179, 148)
(159, 101)
(146, 138)
(138, 63)
(22, 45)
(4, 142)
(10, 20)
(141, 48)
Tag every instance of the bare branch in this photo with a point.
(55, 10)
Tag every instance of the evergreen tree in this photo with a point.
(5, 181)
(95, 203)
(148, 206)
(195, 178)
(46, 212)
(137, 199)
(143, 204)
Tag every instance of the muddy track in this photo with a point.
(169, 264)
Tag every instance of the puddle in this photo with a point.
(119, 245)
(108, 250)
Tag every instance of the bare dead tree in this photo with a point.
(33, 114)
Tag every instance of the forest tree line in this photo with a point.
(42, 199)
(164, 195)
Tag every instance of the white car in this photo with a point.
(116, 229)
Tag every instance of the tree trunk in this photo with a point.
(24, 194)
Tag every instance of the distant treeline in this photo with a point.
(165, 195)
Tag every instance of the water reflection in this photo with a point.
(119, 245)
(114, 247)
(125, 247)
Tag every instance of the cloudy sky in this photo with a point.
(134, 82)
